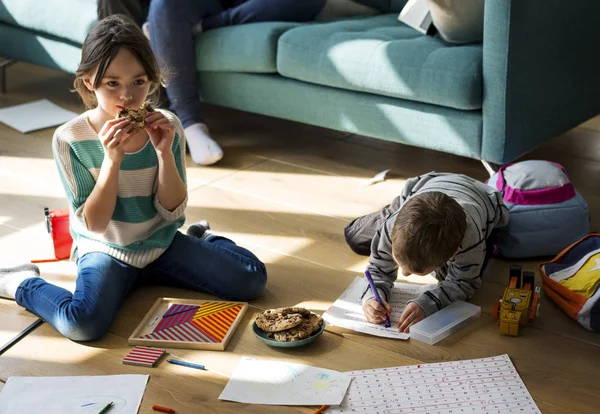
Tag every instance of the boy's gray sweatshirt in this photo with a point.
(460, 277)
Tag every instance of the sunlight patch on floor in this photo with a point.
(314, 305)
(45, 344)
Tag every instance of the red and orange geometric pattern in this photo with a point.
(208, 322)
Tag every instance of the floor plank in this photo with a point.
(593, 124)
(261, 222)
(315, 193)
(13, 319)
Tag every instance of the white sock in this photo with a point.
(203, 149)
(11, 278)
(146, 30)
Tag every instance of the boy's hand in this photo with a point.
(412, 314)
(376, 313)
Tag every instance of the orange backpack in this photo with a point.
(572, 280)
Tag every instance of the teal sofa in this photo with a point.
(535, 75)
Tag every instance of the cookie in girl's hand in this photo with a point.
(136, 116)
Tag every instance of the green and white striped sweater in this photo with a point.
(140, 229)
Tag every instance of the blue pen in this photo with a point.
(186, 364)
(377, 298)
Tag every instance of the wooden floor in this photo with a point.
(285, 191)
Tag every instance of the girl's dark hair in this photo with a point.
(101, 46)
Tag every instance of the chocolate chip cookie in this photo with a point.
(294, 309)
(301, 331)
(136, 116)
(271, 321)
(304, 322)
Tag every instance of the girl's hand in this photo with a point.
(412, 314)
(376, 313)
(113, 135)
(161, 133)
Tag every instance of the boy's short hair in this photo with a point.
(428, 230)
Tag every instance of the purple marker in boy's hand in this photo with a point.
(378, 298)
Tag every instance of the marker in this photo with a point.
(186, 364)
(163, 409)
(105, 409)
(47, 217)
(377, 298)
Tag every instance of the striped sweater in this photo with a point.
(461, 276)
(140, 229)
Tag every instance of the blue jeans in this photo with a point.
(217, 266)
(171, 23)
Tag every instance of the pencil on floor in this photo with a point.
(322, 409)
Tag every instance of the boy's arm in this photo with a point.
(463, 278)
(382, 266)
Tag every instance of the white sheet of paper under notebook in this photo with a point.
(346, 311)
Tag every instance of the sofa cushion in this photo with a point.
(383, 56)
(245, 48)
(65, 19)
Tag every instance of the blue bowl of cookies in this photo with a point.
(288, 327)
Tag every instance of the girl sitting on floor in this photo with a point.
(127, 193)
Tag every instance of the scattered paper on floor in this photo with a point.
(282, 383)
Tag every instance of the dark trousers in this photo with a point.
(136, 10)
(171, 34)
(360, 232)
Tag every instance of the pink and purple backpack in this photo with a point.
(547, 214)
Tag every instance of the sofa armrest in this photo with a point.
(541, 72)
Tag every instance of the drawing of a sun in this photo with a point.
(321, 383)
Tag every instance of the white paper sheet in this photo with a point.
(477, 386)
(282, 383)
(35, 115)
(379, 177)
(347, 312)
(73, 395)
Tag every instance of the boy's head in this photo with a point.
(427, 232)
(117, 64)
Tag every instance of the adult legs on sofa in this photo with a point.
(136, 10)
(172, 26)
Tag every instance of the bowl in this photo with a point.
(262, 336)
